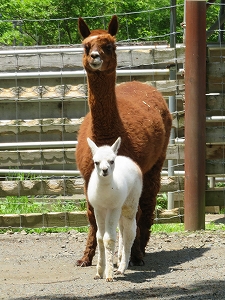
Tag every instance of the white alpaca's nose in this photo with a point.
(105, 172)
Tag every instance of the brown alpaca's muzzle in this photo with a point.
(95, 61)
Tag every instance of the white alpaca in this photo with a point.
(114, 190)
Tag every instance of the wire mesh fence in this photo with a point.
(43, 96)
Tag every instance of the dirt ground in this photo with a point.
(177, 266)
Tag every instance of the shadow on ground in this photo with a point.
(220, 221)
(159, 263)
(205, 290)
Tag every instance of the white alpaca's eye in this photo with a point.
(111, 162)
(97, 163)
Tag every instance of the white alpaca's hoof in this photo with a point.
(109, 279)
(119, 272)
(97, 277)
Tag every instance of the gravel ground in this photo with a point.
(177, 266)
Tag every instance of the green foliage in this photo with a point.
(220, 184)
(45, 22)
(161, 201)
(211, 17)
(222, 211)
(50, 22)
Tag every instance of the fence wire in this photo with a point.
(43, 96)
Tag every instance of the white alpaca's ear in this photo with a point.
(116, 145)
(92, 146)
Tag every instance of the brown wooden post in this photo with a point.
(195, 116)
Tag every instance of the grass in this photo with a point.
(44, 230)
(24, 205)
(212, 226)
(156, 229)
(16, 175)
(19, 205)
(179, 227)
(167, 228)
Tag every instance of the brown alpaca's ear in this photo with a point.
(113, 26)
(83, 28)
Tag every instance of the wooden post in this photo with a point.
(195, 116)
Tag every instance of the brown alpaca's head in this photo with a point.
(99, 46)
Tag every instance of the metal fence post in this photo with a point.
(172, 99)
(195, 115)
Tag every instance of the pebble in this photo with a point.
(192, 235)
(23, 232)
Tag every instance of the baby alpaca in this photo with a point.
(114, 190)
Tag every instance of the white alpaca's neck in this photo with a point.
(105, 192)
(104, 181)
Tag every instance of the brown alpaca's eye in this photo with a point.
(87, 48)
(109, 47)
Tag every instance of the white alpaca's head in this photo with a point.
(104, 157)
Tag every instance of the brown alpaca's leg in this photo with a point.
(91, 243)
(137, 256)
(151, 186)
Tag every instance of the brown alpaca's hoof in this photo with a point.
(136, 262)
(83, 263)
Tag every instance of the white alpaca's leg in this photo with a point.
(100, 220)
(101, 257)
(109, 253)
(109, 239)
(120, 248)
(129, 232)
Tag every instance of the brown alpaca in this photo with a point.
(134, 111)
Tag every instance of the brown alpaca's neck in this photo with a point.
(102, 103)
